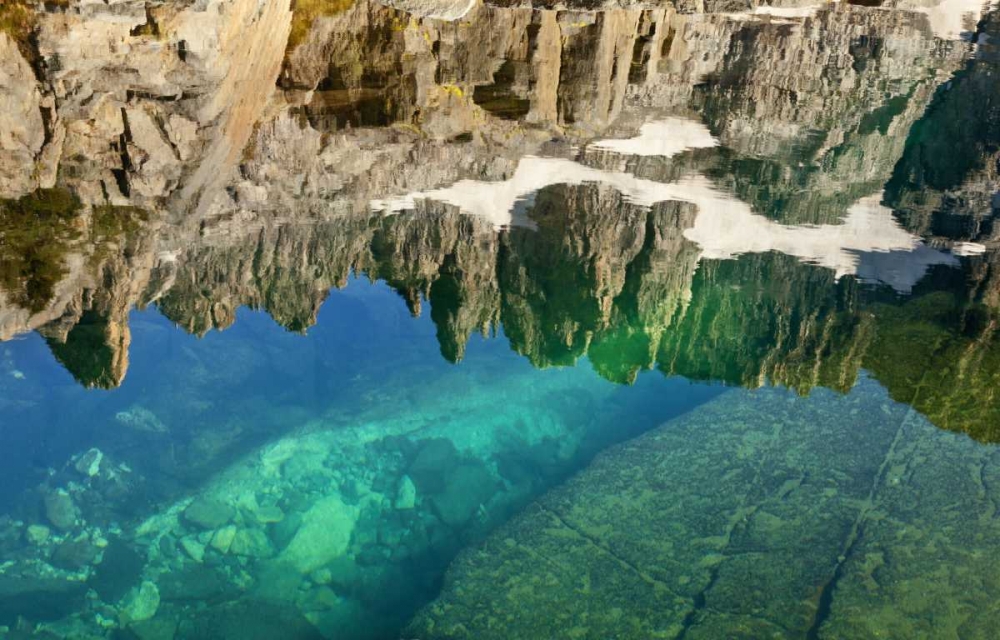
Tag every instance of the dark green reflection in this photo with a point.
(35, 235)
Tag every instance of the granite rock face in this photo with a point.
(22, 129)
(945, 185)
(367, 103)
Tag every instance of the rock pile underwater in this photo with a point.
(340, 529)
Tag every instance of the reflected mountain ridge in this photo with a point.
(573, 241)
(696, 300)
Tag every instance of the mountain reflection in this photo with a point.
(711, 195)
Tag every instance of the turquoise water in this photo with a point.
(361, 402)
(385, 321)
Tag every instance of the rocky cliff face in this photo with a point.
(946, 183)
(263, 136)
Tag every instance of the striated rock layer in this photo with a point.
(753, 516)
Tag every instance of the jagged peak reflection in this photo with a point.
(725, 226)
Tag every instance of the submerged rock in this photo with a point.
(141, 604)
(75, 553)
(467, 487)
(89, 464)
(268, 514)
(141, 419)
(252, 543)
(120, 569)
(60, 510)
(223, 539)
(194, 549)
(156, 628)
(208, 513)
(38, 599)
(37, 534)
(432, 462)
(406, 494)
(196, 583)
(248, 620)
(738, 520)
(324, 535)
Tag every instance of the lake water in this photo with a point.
(423, 320)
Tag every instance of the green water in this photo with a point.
(370, 324)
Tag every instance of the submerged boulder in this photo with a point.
(406, 494)
(323, 536)
(431, 464)
(75, 553)
(467, 487)
(37, 534)
(119, 570)
(141, 604)
(89, 463)
(252, 543)
(156, 628)
(208, 513)
(196, 583)
(61, 510)
(223, 539)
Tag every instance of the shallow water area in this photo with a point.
(429, 319)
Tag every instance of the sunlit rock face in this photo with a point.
(820, 129)
(638, 146)
(22, 129)
(152, 97)
(946, 183)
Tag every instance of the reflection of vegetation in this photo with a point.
(549, 279)
(112, 222)
(35, 232)
(768, 318)
(791, 194)
(110, 225)
(17, 20)
(882, 117)
(305, 12)
(942, 357)
(621, 290)
(91, 352)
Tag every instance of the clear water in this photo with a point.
(448, 326)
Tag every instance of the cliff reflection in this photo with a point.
(751, 199)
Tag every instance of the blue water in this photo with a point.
(366, 352)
